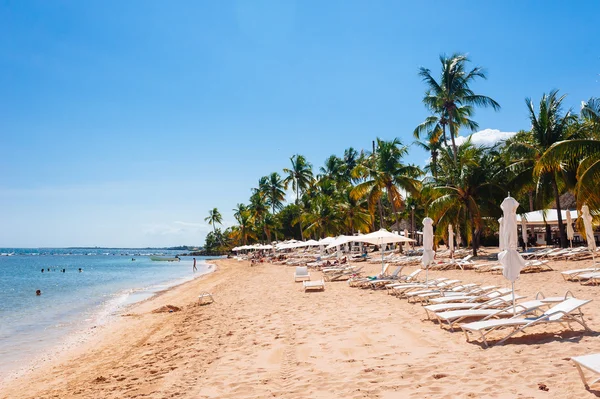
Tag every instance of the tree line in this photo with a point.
(462, 184)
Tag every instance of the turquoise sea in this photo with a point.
(74, 301)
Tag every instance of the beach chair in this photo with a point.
(382, 282)
(301, 274)
(589, 362)
(484, 296)
(318, 285)
(400, 289)
(566, 311)
(572, 275)
(502, 301)
(452, 317)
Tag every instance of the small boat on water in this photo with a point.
(164, 259)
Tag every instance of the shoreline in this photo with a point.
(104, 317)
(265, 337)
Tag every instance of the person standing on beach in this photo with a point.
(194, 269)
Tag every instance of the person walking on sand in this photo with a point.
(195, 269)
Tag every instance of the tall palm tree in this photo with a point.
(550, 126)
(242, 216)
(274, 193)
(354, 212)
(386, 174)
(299, 177)
(451, 99)
(214, 218)
(468, 189)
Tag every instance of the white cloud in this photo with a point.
(486, 137)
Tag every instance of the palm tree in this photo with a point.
(355, 213)
(274, 192)
(549, 126)
(299, 176)
(450, 99)
(433, 145)
(242, 216)
(467, 189)
(214, 218)
(384, 173)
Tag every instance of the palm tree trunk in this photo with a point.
(561, 227)
(453, 145)
(380, 213)
(298, 204)
(434, 163)
(473, 234)
(531, 201)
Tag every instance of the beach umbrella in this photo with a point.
(380, 238)
(428, 253)
(509, 257)
(451, 240)
(458, 237)
(500, 235)
(524, 231)
(589, 230)
(570, 232)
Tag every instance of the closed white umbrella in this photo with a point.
(589, 230)
(509, 257)
(451, 240)
(524, 232)
(570, 232)
(428, 253)
(458, 237)
(500, 235)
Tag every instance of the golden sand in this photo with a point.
(265, 338)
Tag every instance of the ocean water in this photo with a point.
(73, 301)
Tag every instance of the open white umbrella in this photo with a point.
(428, 253)
(570, 232)
(509, 257)
(381, 238)
(524, 232)
(589, 230)
(451, 240)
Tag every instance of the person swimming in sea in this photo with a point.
(42, 270)
(38, 292)
(80, 270)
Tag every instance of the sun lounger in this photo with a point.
(589, 362)
(314, 285)
(502, 301)
(400, 289)
(567, 311)
(496, 293)
(301, 274)
(573, 275)
(452, 317)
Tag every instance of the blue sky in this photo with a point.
(123, 123)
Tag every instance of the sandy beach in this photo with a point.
(264, 337)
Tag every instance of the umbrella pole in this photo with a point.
(513, 294)
(381, 247)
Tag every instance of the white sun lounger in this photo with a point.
(589, 362)
(502, 301)
(452, 317)
(301, 274)
(482, 297)
(570, 275)
(566, 311)
(318, 285)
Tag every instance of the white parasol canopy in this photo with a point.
(589, 229)
(501, 244)
(326, 240)
(509, 239)
(380, 238)
(428, 253)
(340, 240)
(570, 232)
(451, 240)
